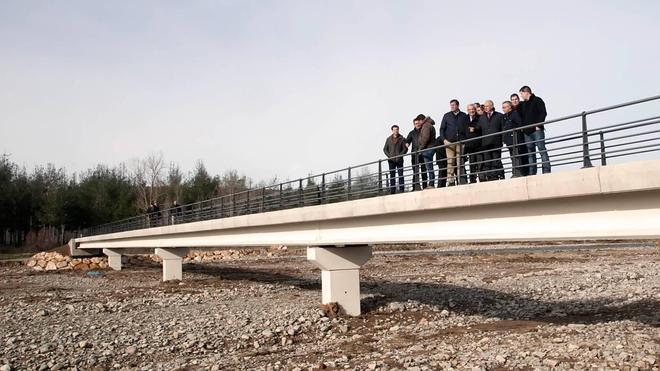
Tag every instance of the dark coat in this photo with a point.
(413, 139)
(510, 120)
(473, 145)
(395, 147)
(533, 112)
(427, 134)
(453, 127)
(494, 125)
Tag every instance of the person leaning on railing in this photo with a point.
(452, 131)
(514, 140)
(490, 123)
(412, 140)
(534, 112)
(395, 147)
(426, 144)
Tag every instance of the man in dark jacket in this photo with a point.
(515, 103)
(426, 144)
(490, 124)
(533, 112)
(412, 140)
(472, 144)
(453, 129)
(395, 147)
(514, 140)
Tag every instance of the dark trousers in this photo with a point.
(396, 167)
(476, 162)
(518, 155)
(417, 162)
(492, 164)
(441, 161)
(462, 169)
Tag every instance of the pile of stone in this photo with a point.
(51, 261)
(202, 256)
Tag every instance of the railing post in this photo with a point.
(263, 198)
(233, 204)
(514, 162)
(348, 187)
(247, 202)
(222, 204)
(322, 188)
(300, 193)
(281, 199)
(586, 160)
(603, 155)
(380, 177)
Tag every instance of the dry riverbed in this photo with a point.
(487, 309)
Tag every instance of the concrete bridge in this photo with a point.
(606, 202)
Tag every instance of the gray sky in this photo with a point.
(291, 87)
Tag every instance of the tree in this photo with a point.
(147, 178)
(175, 187)
(201, 186)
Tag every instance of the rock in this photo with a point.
(500, 358)
(51, 266)
(46, 348)
(131, 350)
(330, 309)
(444, 313)
(550, 362)
(5, 368)
(84, 344)
(43, 313)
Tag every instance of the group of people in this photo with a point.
(475, 137)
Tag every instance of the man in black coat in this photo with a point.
(514, 140)
(452, 131)
(412, 140)
(533, 112)
(472, 144)
(490, 124)
(395, 147)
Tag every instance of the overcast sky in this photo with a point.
(291, 87)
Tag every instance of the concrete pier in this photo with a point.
(172, 263)
(340, 274)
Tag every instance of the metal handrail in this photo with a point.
(292, 193)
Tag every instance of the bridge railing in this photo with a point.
(619, 137)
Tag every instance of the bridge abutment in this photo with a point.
(172, 262)
(340, 274)
(114, 258)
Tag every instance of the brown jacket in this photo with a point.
(427, 134)
(395, 147)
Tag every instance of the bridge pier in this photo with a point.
(172, 262)
(340, 274)
(114, 258)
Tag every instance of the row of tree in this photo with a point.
(48, 203)
(48, 196)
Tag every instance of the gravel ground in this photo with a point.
(578, 309)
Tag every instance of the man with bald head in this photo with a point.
(490, 124)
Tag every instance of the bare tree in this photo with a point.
(174, 183)
(147, 176)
